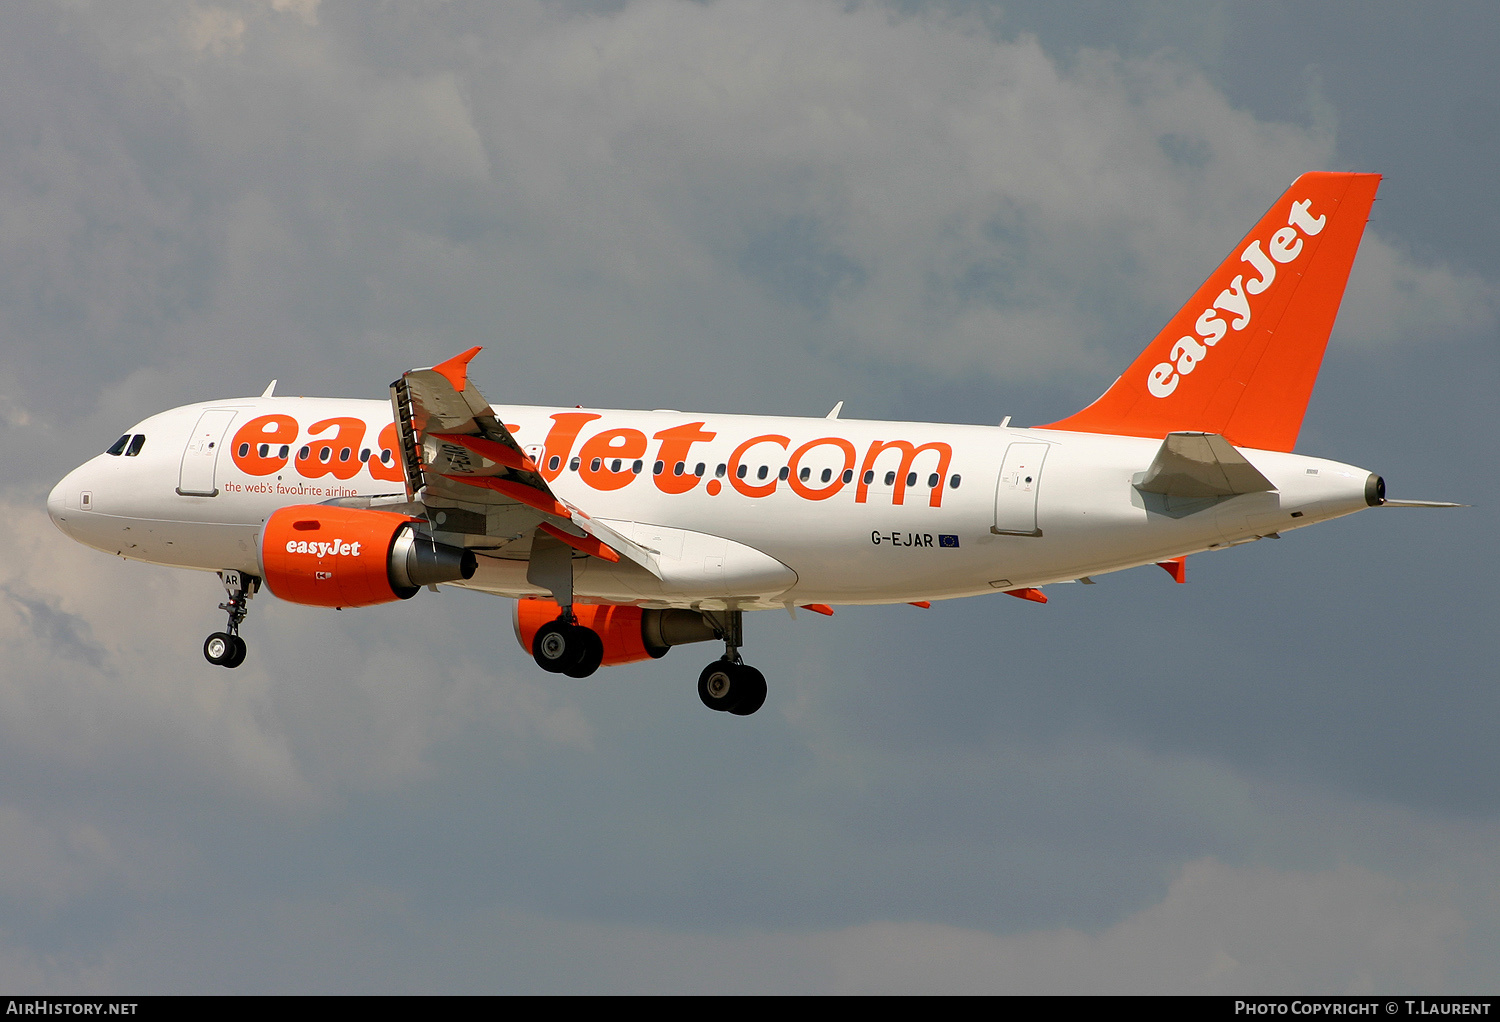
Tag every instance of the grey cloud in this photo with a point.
(760, 207)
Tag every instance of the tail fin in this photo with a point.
(1241, 358)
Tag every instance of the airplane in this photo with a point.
(620, 534)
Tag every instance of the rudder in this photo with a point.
(1241, 358)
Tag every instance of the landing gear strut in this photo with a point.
(226, 648)
(729, 684)
(563, 646)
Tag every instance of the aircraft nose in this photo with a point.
(56, 503)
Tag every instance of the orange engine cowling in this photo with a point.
(628, 633)
(350, 557)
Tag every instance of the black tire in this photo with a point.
(558, 646)
(218, 648)
(236, 657)
(591, 653)
(752, 688)
(719, 685)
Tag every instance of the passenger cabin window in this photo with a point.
(118, 447)
(136, 443)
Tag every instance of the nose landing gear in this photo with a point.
(226, 648)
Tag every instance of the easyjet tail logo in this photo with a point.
(1233, 309)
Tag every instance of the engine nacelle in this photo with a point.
(349, 557)
(628, 633)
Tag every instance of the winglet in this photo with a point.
(819, 608)
(456, 369)
(1176, 567)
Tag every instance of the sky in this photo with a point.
(1280, 777)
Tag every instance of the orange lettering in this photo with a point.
(388, 446)
(909, 453)
(337, 456)
(749, 489)
(612, 445)
(263, 431)
(559, 442)
(675, 443)
(819, 493)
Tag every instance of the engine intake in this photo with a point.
(327, 556)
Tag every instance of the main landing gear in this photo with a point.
(729, 684)
(226, 648)
(566, 647)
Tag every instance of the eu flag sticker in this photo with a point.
(947, 540)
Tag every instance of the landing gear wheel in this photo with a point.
(716, 684)
(555, 648)
(237, 655)
(591, 653)
(730, 687)
(563, 647)
(219, 648)
(752, 688)
(224, 650)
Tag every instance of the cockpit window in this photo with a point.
(136, 443)
(118, 447)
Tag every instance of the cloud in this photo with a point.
(657, 189)
(737, 206)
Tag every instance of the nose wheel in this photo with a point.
(226, 648)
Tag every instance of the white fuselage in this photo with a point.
(958, 510)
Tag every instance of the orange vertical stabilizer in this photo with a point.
(1242, 356)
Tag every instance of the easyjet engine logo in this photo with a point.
(1283, 247)
(332, 548)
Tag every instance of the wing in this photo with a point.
(473, 480)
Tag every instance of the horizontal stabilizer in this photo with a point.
(1201, 465)
(1418, 503)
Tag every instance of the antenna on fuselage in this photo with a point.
(270, 390)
